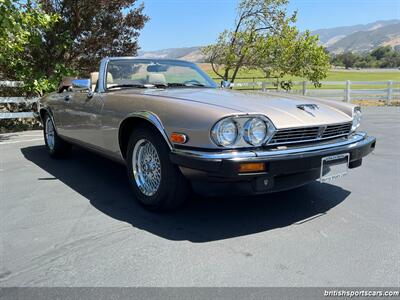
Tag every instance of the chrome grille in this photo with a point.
(336, 130)
(309, 134)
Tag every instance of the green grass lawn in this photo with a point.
(333, 75)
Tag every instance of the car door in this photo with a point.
(81, 118)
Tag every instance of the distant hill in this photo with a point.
(330, 36)
(191, 54)
(357, 38)
(363, 41)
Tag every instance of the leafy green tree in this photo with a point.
(381, 57)
(349, 59)
(264, 37)
(46, 40)
(382, 52)
(89, 30)
(292, 53)
(387, 56)
(391, 60)
(22, 24)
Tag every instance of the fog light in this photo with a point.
(251, 167)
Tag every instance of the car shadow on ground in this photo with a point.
(104, 183)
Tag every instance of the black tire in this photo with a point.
(59, 148)
(173, 188)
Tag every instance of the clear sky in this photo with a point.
(185, 23)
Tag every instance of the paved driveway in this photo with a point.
(74, 222)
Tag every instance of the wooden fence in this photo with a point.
(17, 103)
(341, 90)
(336, 90)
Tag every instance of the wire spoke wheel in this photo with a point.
(50, 134)
(146, 167)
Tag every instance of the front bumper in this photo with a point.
(286, 168)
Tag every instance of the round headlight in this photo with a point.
(255, 131)
(356, 118)
(225, 132)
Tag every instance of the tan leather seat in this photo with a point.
(94, 77)
(156, 79)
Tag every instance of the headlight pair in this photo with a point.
(242, 131)
(356, 118)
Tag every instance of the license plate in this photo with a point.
(333, 167)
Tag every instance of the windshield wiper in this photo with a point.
(177, 84)
(195, 84)
(144, 86)
(127, 86)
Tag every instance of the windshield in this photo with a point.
(136, 73)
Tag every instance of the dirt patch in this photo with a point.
(375, 102)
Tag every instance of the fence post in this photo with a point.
(304, 88)
(389, 92)
(347, 96)
(264, 86)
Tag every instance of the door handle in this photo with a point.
(67, 98)
(89, 95)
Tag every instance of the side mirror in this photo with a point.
(81, 85)
(226, 84)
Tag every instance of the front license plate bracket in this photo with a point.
(334, 166)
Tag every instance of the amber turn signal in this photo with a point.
(251, 167)
(178, 138)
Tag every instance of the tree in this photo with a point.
(292, 53)
(89, 30)
(22, 25)
(349, 59)
(387, 56)
(382, 52)
(381, 57)
(264, 38)
(51, 39)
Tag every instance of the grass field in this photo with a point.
(333, 75)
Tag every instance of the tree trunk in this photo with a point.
(215, 70)
(238, 66)
(226, 74)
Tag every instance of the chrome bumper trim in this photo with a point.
(354, 141)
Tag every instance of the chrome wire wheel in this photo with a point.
(50, 134)
(146, 167)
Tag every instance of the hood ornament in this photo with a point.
(308, 108)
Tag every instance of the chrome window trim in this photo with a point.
(105, 61)
(102, 78)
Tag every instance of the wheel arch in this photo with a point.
(135, 119)
(42, 112)
(46, 110)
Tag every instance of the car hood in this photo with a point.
(282, 110)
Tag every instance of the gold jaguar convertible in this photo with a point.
(174, 128)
